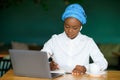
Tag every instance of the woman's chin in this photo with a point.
(71, 37)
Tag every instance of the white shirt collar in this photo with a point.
(76, 38)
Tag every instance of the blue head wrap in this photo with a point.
(76, 11)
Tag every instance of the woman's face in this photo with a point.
(72, 27)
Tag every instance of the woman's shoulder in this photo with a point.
(85, 37)
(57, 35)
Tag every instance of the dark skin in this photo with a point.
(71, 27)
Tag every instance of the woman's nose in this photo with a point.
(70, 30)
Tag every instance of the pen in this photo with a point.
(50, 58)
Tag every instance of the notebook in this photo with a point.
(30, 63)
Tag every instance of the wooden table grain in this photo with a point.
(110, 75)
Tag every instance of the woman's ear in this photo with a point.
(81, 28)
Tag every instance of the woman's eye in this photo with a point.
(66, 26)
(75, 28)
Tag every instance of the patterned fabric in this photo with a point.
(76, 11)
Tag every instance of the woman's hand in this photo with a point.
(78, 70)
(53, 66)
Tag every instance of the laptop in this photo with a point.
(30, 63)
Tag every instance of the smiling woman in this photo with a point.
(72, 44)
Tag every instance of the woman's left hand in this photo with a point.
(78, 70)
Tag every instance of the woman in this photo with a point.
(71, 50)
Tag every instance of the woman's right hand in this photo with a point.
(53, 66)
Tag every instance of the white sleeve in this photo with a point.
(97, 57)
(48, 47)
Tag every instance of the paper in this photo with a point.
(58, 71)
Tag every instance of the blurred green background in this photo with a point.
(31, 22)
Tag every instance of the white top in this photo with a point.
(68, 53)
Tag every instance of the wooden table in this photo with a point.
(110, 75)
